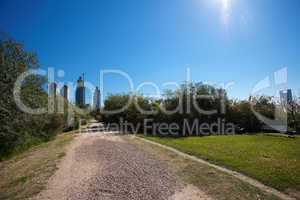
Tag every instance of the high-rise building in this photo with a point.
(96, 99)
(80, 93)
(289, 96)
(52, 89)
(52, 97)
(64, 92)
(286, 97)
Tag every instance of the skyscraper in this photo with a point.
(289, 96)
(80, 93)
(286, 97)
(96, 99)
(64, 92)
(52, 89)
(52, 98)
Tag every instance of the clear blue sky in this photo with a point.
(155, 40)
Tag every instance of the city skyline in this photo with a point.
(80, 98)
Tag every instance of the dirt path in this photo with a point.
(110, 167)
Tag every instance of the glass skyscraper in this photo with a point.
(96, 99)
(80, 93)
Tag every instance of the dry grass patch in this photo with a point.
(26, 174)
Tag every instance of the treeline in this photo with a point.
(193, 101)
(18, 129)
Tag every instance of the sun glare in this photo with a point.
(225, 4)
(225, 10)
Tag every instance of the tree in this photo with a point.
(19, 129)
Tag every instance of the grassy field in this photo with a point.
(212, 182)
(26, 174)
(273, 160)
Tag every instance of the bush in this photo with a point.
(19, 130)
(237, 112)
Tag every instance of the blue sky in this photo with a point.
(156, 40)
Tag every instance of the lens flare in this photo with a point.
(225, 10)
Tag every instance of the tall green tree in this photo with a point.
(19, 129)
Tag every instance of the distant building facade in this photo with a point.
(52, 89)
(96, 99)
(286, 97)
(52, 105)
(64, 92)
(289, 96)
(80, 93)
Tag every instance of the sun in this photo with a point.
(225, 10)
(225, 4)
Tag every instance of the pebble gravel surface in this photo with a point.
(109, 167)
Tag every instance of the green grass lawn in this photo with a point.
(273, 160)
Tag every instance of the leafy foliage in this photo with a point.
(18, 129)
(190, 102)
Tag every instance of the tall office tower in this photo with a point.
(52, 106)
(96, 99)
(52, 89)
(289, 96)
(286, 97)
(80, 92)
(64, 92)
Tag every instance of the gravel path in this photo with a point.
(110, 167)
